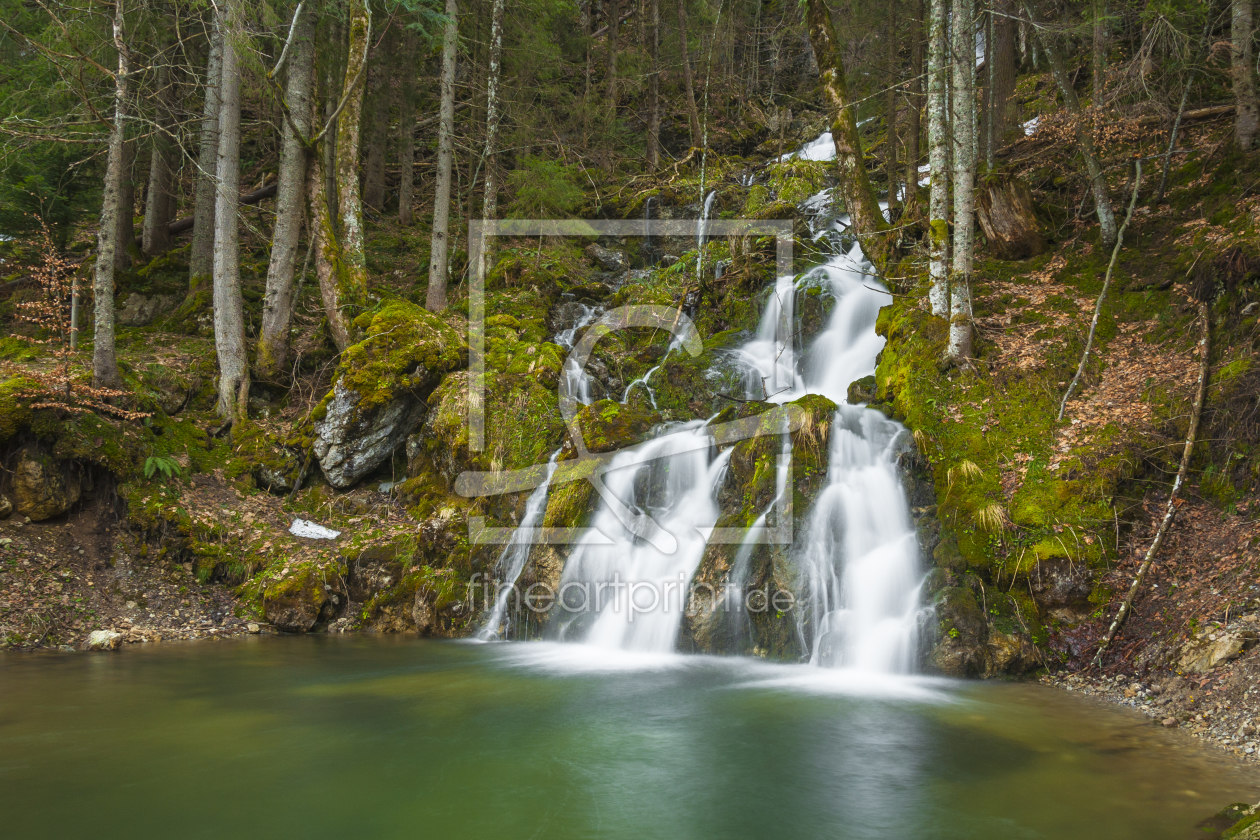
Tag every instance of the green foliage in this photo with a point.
(155, 464)
(544, 189)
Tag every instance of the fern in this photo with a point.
(160, 464)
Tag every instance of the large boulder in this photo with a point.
(104, 640)
(1212, 647)
(304, 596)
(379, 395)
(43, 487)
(137, 310)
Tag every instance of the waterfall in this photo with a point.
(515, 555)
(621, 591)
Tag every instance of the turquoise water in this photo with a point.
(380, 737)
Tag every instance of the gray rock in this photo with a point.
(104, 640)
(1211, 649)
(350, 443)
(6, 507)
(43, 487)
(138, 310)
(608, 259)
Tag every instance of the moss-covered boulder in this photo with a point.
(42, 486)
(379, 394)
(608, 426)
(299, 597)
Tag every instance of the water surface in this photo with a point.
(384, 737)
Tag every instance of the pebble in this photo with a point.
(1170, 722)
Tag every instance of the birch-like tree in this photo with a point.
(1247, 116)
(435, 299)
(201, 255)
(229, 316)
(104, 361)
(963, 113)
(272, 351)
(938, 160)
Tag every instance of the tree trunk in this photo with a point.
(693, 113)
(407, 130)
(964, 114)
(490, 201)
(1005, 209)
(272, 352)
(435, 300)
(890, 111)
(157, 204)
(229, 317)
(914, 120)
(201, 256)
(854, 185)
(614, 30)
(1084, 136)
(1099, 53)
(654, 87)
(104, 362)
(352, 273)
(1005, 59)
(938, 161)
(378, 126)
(126, 208)
(1247, 117)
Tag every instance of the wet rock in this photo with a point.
(961, 634)
(422, 612)
(1062, 589)
(1010, 653)
(608, 259)
(6, 507)
(374, 570)
(608, 426)
(104, 640)
(138, 310)
(43, 487)
(863, 390)
(351, 442)
(253, 628)
(1170, 722)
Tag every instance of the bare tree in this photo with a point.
(855, 186)
(489, 207)
(613, 8)
(201, 256)
(938, 161)
(162, 162)
(272, 351)
(229, 318)
(654, 87)
(1247, 117)
(126, 241)
(377, 97)
(892, 66)
(962, 21)
(407, 130)
(435, 300)
(914, 127)
(693, 113)
(104, 362)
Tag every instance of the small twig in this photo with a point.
(1126, 606)
(1115, 253)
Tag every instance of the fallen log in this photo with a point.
(181, 225)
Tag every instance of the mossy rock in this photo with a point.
(608, 426)
(295, 600)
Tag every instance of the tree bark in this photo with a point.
(962, 21)
(407, 131)
(272, 352)
(693, 113)
(490, 200)
(890, 110)
(104, 362)
(854, 184)
(378, 126)
(938, 162)
(352, 273)
(614, 30)
(1084, 135)
(1099, 53)
(201, 256)
(1247, 117)
(914, 127)
(1005, 210)
(157, 204)
(1005, 60)
(435, 299)
(654, 87)
(126, 208)
(229, 317)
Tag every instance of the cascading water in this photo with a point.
(858, 567)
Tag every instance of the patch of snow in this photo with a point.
(312, 531)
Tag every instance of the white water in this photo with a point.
(630, 595)
(515, 555)
(858, 567)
